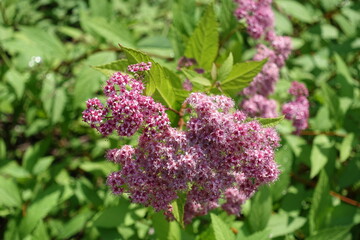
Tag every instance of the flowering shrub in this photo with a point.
(220, 155)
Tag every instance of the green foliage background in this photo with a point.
(52, 166)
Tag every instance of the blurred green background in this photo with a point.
(52, 166)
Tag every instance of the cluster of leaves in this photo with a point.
(52, 166)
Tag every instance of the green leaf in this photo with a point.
(40, 208)
(43, 164)
(296, 143)
(114, 32)
(60, 99)
(158, 83)
(33, 154)
(9, 192)
(346, 147)
(226, 17)
(296, 10)
(241, 76)
(165, 230)
(225, 68)
(2, 149)
(260, 212)
(284, 158)
(333, 233)
(203, 43)
(40, 231)
(281, 224)
(269, 122)
(111, 217)
(178, 209)
(75, 225)
(342, 68)
(17, 82)
(245, 71)
(329, 32)
(195, 77)
(320, 205)
(109, 69)
(262, 235)
(320, 153)
(332, 101)
(221, 229)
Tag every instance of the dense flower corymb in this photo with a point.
(219, 156)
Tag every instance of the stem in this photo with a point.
(332, 193)
(3, 14)
(181, 122)
(345, 199)
(173, 110)
(315, 133)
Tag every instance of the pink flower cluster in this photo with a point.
(139, 67)
(298, 110)
(258, 14)
(126, 110)
(264, 83)
(219, 156)
(259, 106)
(260, 24)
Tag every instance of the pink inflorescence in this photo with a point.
(259, 106)
(139, 67)
(260, 24)
(258, 15)
(297, 110)
(221, 155)
(264, 82)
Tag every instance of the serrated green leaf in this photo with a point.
(178, 209)
(320, 205)
(109, 69)
(203, 43)
(221, 229)
(158, 83)
(241, 75)
(225, 68)
(245, 71)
